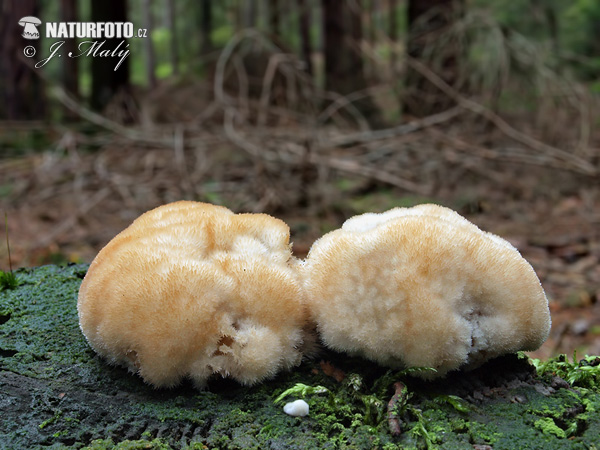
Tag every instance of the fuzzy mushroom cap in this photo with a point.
(423, 287)
(192, 289)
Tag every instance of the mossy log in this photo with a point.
(56, 393)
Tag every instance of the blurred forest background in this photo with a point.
(313, 111)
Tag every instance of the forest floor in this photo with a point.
(63, 204)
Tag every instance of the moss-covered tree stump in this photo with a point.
(56, 393)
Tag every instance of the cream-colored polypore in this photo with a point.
(193, 290)
(423, 287)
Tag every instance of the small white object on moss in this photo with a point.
(299, 408)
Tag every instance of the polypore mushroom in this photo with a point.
(30, 23)
(192, 289)
(423, 287)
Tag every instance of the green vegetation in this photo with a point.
(301, 390)
(8, 280)
(584, 373)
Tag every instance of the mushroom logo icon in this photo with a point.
(30, 23)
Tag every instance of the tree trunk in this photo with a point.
(206, 24)
(353, 44)
(553, 27)
(304, 22)
(393, 33)
(148, 45)
(344, 70)
(373, 19)
(333, 44)
(70, 66)
(274, 19)
(428, 23)
(249, 13)
(106, 80)
(21, 89)
(170, 19)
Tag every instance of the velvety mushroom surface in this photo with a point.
(423, 287)
(192, 289)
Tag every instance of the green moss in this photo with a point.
(482, 433)
(548, 426)
(55, 392)
(108, 444)
(51, 420)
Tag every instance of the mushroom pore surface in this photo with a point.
(423, 287)
(193, 290)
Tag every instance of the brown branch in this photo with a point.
(299, 157)
(356, 168)
(394, 421)
(388, 133)
(130, 133)
(506, 154)
(575, 162)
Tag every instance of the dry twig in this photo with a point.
(573, 162)
(397, 399)
(71, 221)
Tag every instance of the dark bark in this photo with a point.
(206, 24)
(344, 69)
(21, 89)
(393, 32)
(306, 48)
(274, 19)
(249, 13)
(553, 27)
(174, 53)
(372, 21)
(428, 23)
(343, 33)
(333, 37)
(106, 81)
(148, 45)
(70, 66)
(353, 43)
